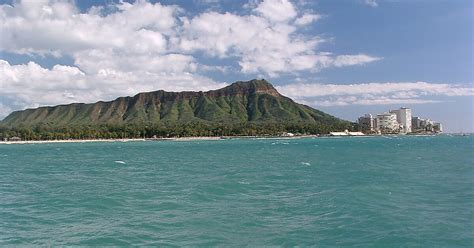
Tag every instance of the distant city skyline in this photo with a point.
(346, 58)
(398, 121)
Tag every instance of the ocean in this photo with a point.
(324, 192)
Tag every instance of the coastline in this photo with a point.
(67, 141)
(200, 138)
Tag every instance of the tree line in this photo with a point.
(164, 130)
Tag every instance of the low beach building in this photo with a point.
(346, 133)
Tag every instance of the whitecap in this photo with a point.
(243, 182)
(120, 162)
(306, 163)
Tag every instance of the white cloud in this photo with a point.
(267, 41)
(371, 3)
(277, 10)
(262, 45)
(368, 101)
(307, 19)
(373, 93)
(57, 27)
(347, 60)
(92, 61)
(423, 88)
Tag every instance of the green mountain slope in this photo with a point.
(241, 102)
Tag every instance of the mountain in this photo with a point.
(241, 102)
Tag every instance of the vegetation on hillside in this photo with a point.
(243, 108)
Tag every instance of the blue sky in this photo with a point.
(343, 57)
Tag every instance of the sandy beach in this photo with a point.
(203, 138)
(107, 140)
(67, 141)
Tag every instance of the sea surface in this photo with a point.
(324, 192)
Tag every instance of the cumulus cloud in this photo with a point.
(266, 41)
(373, 93)
(32, 27)
(263, 46)
(277, 10)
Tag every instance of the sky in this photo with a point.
(345, 57)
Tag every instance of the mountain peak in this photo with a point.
(250, 87)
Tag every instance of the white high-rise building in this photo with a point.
(404, 118)
(387, 122)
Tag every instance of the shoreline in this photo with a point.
(67, 141)
(203, 138)
(200, 138)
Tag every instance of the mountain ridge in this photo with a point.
(241, 102)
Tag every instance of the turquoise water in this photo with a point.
(367, 192)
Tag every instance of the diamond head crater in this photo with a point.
(244, 108)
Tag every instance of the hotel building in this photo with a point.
(387, 123)
(397, 121)
(404, 118)
(366, 123)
